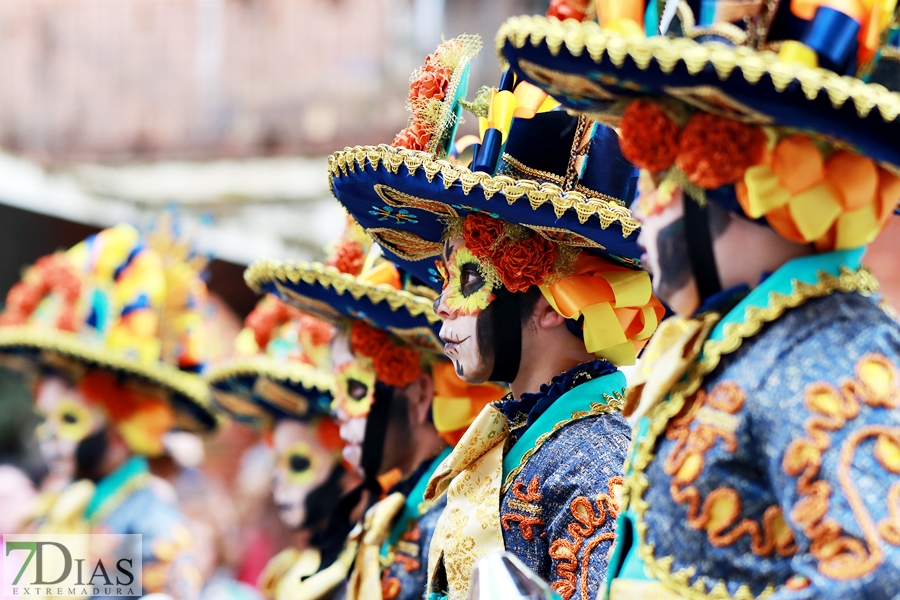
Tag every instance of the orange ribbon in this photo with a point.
(457, 403)
(619, 309)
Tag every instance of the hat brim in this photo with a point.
(403, 199)
(241, 388)
(187, 392)
(589, 70)
(337, 297)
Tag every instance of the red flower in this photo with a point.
(483, 235)
(348, 257)
(526, 263)
(366, 340)
(397, 366)
(567, 9)
(648, 137)
(413, 137)
(265, 318)
(714, 151)
(320, 332)
(432, 82)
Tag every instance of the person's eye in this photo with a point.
(69, 418)
(299, 463)
(356, 389)
(470, 279)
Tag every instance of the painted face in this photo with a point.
(662, 238)
(302, 464)
(67, 419)
(354, 394)
(464, 306)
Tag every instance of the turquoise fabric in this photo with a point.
(577, 399)
(136, 466)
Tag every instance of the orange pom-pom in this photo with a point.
(714, 151)
(484, 236)
(648, 137)
(348, 257)
(320, 332)
(414, 137)
(526, 263)
(366, 340)
(396, 366)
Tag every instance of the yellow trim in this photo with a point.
(293, 272)
(667, 52)
(344, 162)
(188, 385)
(637, 483)
(263, 366)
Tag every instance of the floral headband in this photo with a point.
(808, 190)
(618, 310)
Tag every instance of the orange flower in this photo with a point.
(649, 138)
(567, 9)
(49, 274)
(396, 366)
(366, 340)
(526, 263)
(714, 151)
(265, 318)
(483, 235)
(348, 257)
(320, 332)
(414, 137)
(432, 82)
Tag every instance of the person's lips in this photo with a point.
(451, 344)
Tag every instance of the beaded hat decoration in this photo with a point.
(125, 311)
(786, 113)
(281, 369)
(557, 173)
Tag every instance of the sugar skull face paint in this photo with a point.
(354, 387)
(67, 419)
(466, 289)
(302, 464)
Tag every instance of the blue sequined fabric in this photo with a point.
(559, 513)
(408, 573)
(820, 381)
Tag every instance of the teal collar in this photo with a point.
(109, 487)
(412, 507)
(805, 269)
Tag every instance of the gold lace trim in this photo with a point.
(293, 272)
(849, 281)
(344, 162)
(190, 386)
(519, 170)
(613, 404)
(668, 52)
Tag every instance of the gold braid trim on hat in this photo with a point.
(668, 52)
(344, 162)
(291, 372)
(190, 386)
(267, 271)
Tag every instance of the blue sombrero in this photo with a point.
(716, 68)
(280, 370)
(381, 296)
(404, 198)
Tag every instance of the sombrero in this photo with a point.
(559, 185)
(120, 302)
(831, 124)
(281, 370)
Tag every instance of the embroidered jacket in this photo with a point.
(557, 501)
(387, 555)
(774, 465)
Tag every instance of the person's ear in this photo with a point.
(547, 317)
(419, 395)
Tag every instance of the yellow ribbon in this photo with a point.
(457, 403)
(469, 527)
(619, 309)
(365, 580)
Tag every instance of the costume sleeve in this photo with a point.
(828, 423)
(579, 502)
(169, 558)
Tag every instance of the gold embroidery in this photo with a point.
(560, 83)
(344, 162)
(399, 199)
(586, 524)
(307, 304)
(565, 237)
(421, 337)
(858, 281)
(666, 53)
(613, 404)
(842, 556)
(711, 99)
(405, 244)
(722, 506)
